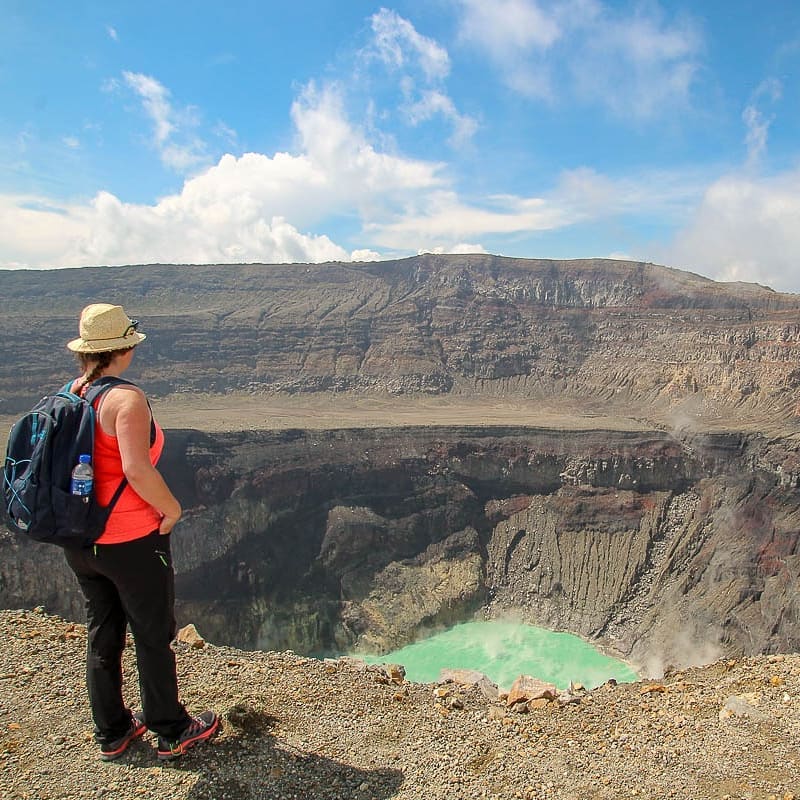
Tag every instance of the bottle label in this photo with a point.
(82, 487)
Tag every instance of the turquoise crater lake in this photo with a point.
(505, 650)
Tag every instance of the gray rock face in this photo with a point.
(605, 334)
(332, 541)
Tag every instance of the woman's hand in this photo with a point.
(168, 522)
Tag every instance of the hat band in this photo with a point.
(131, 329)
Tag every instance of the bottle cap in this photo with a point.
(85, 459)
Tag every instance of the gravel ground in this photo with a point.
(299, 728)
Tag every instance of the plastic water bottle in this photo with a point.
(83, 478)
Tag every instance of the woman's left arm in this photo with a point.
(132, 429)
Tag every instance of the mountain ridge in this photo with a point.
(596, 332)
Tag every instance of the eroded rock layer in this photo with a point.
(605, 335)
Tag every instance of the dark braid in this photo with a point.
(98, 362)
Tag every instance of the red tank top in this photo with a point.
(132, 517)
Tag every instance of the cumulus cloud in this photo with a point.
(638, 65)
(33, 230)
(108, 231)
(745, 229)
(365, 255)
(346, 166)
(256, 207)
(250, 208)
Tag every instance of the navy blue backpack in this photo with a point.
(43, 448)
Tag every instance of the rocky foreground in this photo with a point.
(300, 728)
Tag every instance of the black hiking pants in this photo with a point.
(131, 583)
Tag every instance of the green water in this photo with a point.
(506, 650)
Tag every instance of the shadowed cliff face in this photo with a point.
(669, 551)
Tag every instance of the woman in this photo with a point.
(127, 576)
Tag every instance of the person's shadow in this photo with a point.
(248, 765)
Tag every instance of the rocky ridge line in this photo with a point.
(598, 334)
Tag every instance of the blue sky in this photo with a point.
(202, 132)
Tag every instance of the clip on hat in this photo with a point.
(105, 327)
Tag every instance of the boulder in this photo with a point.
(526, 688)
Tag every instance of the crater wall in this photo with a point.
(603, 335)
(666, 550)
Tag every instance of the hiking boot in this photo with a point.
(200, 729)
(113, 750)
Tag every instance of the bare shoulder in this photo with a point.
(126, 398)
(123, 404)
(126, 390)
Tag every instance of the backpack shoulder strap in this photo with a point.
(102, 385)
(97, 389)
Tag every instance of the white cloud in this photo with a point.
(155, 98)
(745, 226)
(641, 66)
(436, 218)
(397, 42)
(757, 126)
(257, 207)
(756, 137)
(667, 195)
(462, 248)
(514, 35)
(346, 165)
(271, 208)
(226, 133)
(620, 255)
(745, 230)
(442, 216)
(112, 33)
(251, 208)
(365, 255)
(178, 147)
(30, 228)
(72, 142)
(506, 27)
(638, 65)
(423, 65)
(432, 103)
(108, 231)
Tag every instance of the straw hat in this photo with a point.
(105, 327)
